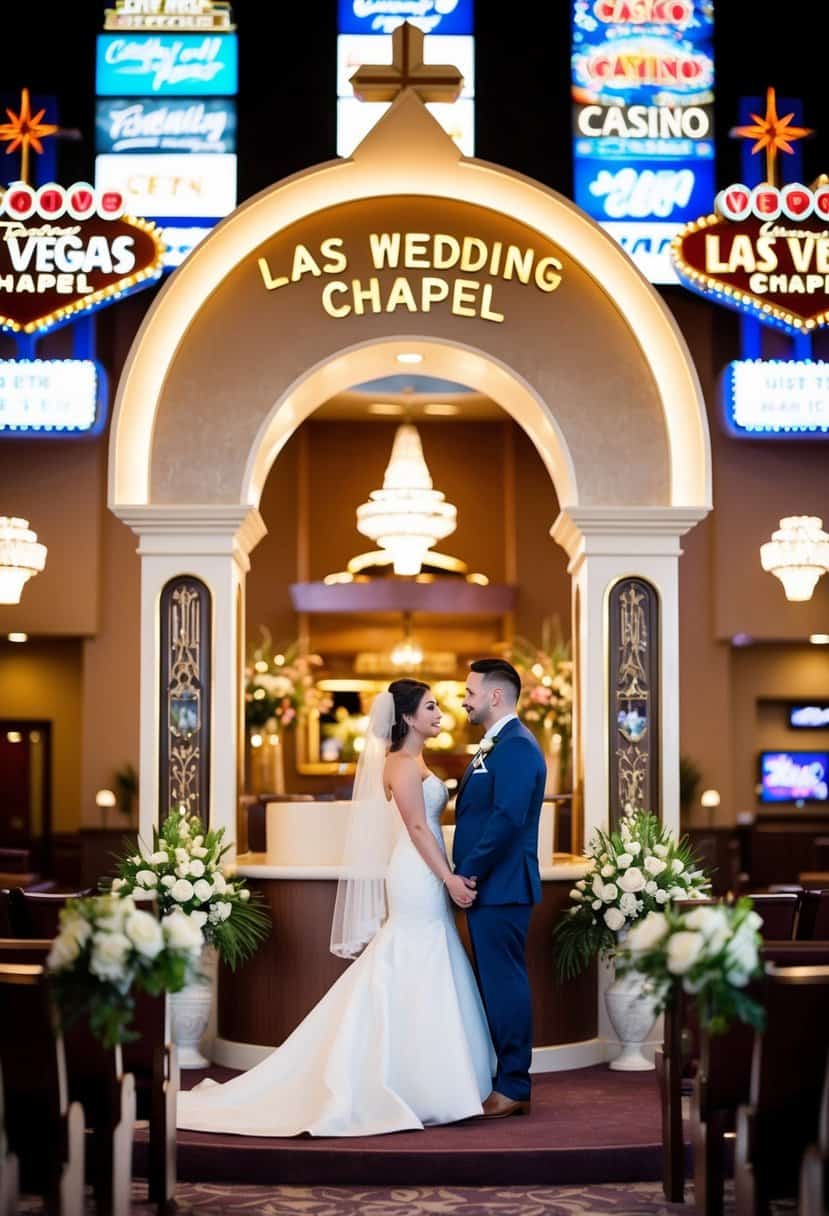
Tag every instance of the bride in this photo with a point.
(401, 1039)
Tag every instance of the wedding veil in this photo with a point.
(373, 823)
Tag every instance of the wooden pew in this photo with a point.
(779, 911)
(153, 1062)
(681, 1052)
(9, 1166)
(36, 913)
(45, 1129)
(814, 1172)
(813, 920)
(788, 1068)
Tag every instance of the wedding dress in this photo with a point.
(400, 1040)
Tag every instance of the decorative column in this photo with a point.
(624, 566)
(193, 566)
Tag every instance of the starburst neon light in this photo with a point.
(772, 134)
(25, 130)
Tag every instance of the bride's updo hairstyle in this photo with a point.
(407, 697)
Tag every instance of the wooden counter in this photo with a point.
(266, 998)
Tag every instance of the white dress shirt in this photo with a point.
(498, 726)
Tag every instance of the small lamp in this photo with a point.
(105, 799)
(711, 800)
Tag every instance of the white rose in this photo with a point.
(198, 841)
(741, 954)
(184, 828)
(183, 870)
(651, 888)
(576, 895)
(199, 918)
(109, 954)
(146, 878)
(144, 932)
(168, 881)
(677, 893)
(204, 889)
(753, 920)
(182, 933)
(632, 879)
(647, 932)
(65, 949)
(199, 852)
(624, 860)
(677, 866)
(160, 858)
(244, 895)
(614, 919)
(196, 868)
(596, 904)
(609, 892)
(684, 949)
(704, 920)
(608, 871)
(182, 890)
(225, 909)
(661, 897)
(661, 850)
(635, 848)
(182, 855)
(654, 866)
(629, 904)
(219, 882)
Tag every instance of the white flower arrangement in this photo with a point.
(711, 952)
(184, 873)
(641, 868)
(106, 948)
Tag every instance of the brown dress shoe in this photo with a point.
(499, 1106)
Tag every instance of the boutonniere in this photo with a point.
(486, 746)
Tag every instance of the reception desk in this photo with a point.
(261, 1003)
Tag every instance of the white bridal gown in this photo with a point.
(399, 1041)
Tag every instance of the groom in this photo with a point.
(497, 810)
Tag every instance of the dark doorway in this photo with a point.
(26, 788)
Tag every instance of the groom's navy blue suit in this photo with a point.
(496, 840)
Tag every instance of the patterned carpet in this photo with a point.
(211, 1199)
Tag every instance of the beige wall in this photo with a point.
(42, 680)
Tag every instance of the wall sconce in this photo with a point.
(710, 799)
(105, 799)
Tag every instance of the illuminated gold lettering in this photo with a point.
(401, 293)
(361, 294)
(518, 263)
(270, 282)
(335, 310)
(487, 311)
(822, 256)
(547, 276)
(332, 248)
(303, 263)
(446, 251)
(433, 290)
(473, 254)
(385, 249)
(415, 256)
(464, 292)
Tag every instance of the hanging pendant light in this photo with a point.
(21, 557)
(407, 517)
(798, 554)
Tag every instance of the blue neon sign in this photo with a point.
(170, 124)
(384, 16)
(164, 65)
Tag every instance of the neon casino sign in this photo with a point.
(68, 250)
(643, 134)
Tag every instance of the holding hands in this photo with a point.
(462, 891)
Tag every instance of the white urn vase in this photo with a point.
(632, 1013)
(190, 1012)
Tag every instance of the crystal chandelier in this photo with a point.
(20, 557)
(407, 516)
(798, 553)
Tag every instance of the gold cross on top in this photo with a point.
(384, 82)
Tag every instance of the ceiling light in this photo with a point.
(20, 557)
(407, 516)
(441, 409)
(409, 356)
(18, 637)
(819, 639)
(385, 407)
(798, 554)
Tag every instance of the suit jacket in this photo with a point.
(496, 819)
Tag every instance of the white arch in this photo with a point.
(448, 360)
(408, 153)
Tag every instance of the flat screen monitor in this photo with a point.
(794, 776)
(809, 715)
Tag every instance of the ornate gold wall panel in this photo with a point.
(634, 698)
(184, 734)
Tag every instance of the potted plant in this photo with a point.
(184, 873)
(106, 949)
(710, 952)
(126, 789)
(638, 869)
